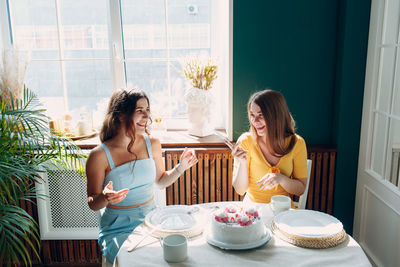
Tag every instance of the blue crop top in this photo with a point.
(138, 176)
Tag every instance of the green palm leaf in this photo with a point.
(27, 149)
(17, 226)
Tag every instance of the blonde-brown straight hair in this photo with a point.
(279, 121)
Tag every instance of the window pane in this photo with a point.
(178, 88)
(144, 28)
(88, 83)
(152, 78)
(379, 143)
(385, 82)
(189, 27)
(44, 78)
(396, 88)
(84, 28)
(391, 29)
(35, 27)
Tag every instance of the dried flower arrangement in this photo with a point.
(13, 65)
(200, 72)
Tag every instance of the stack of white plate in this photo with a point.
(308, 228)
(175, 219)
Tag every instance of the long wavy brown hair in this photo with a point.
(279, 121)
(120, 110)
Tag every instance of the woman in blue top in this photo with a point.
(121, 172)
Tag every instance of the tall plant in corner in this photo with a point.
(27, 148)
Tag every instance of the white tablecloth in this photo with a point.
(275, 253)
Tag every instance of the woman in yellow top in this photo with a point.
(271, 159)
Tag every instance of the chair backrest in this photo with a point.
(303, 197)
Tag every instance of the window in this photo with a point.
(82, 50)
(384, 161)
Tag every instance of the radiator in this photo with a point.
(64, 214)
(322, 179)
(68, 228)
(211, 179)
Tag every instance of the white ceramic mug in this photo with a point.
(280, 203)
(175, 248)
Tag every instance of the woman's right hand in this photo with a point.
(188, 159)
(238, 152)
(112, 196)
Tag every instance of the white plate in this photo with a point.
(172, 218)
(265, 239)
(308, 223)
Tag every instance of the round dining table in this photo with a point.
(276, 252)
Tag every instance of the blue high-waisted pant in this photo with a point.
(117, 224)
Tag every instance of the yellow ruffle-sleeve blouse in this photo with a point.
(293, 164)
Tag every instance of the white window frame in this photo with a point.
(5, 35)
(117, 64)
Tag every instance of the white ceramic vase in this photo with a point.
(199, 103)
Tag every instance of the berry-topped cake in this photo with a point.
(234, 225)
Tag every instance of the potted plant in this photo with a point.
(27, 148)
(200, 73)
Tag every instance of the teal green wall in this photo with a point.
(290, 47)
(314, 52)
(352, 50)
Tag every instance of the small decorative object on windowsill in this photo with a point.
(72, 127)
(84, 125)
(201, 73)
(157, 126)
(13, 65)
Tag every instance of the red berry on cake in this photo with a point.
(252, 212)
(230, 209)
(221, 217)
(244, 220)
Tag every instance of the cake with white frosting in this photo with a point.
(237, 225)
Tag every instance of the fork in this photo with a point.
(141, 240)
(193, 210)
(214, 207)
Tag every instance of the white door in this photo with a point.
(377, 208)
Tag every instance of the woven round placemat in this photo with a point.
(309, 242)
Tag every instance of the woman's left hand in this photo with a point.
(187, 159)
(269, 181)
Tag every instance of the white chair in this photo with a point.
(303, 198)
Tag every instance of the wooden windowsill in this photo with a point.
(168, 139)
